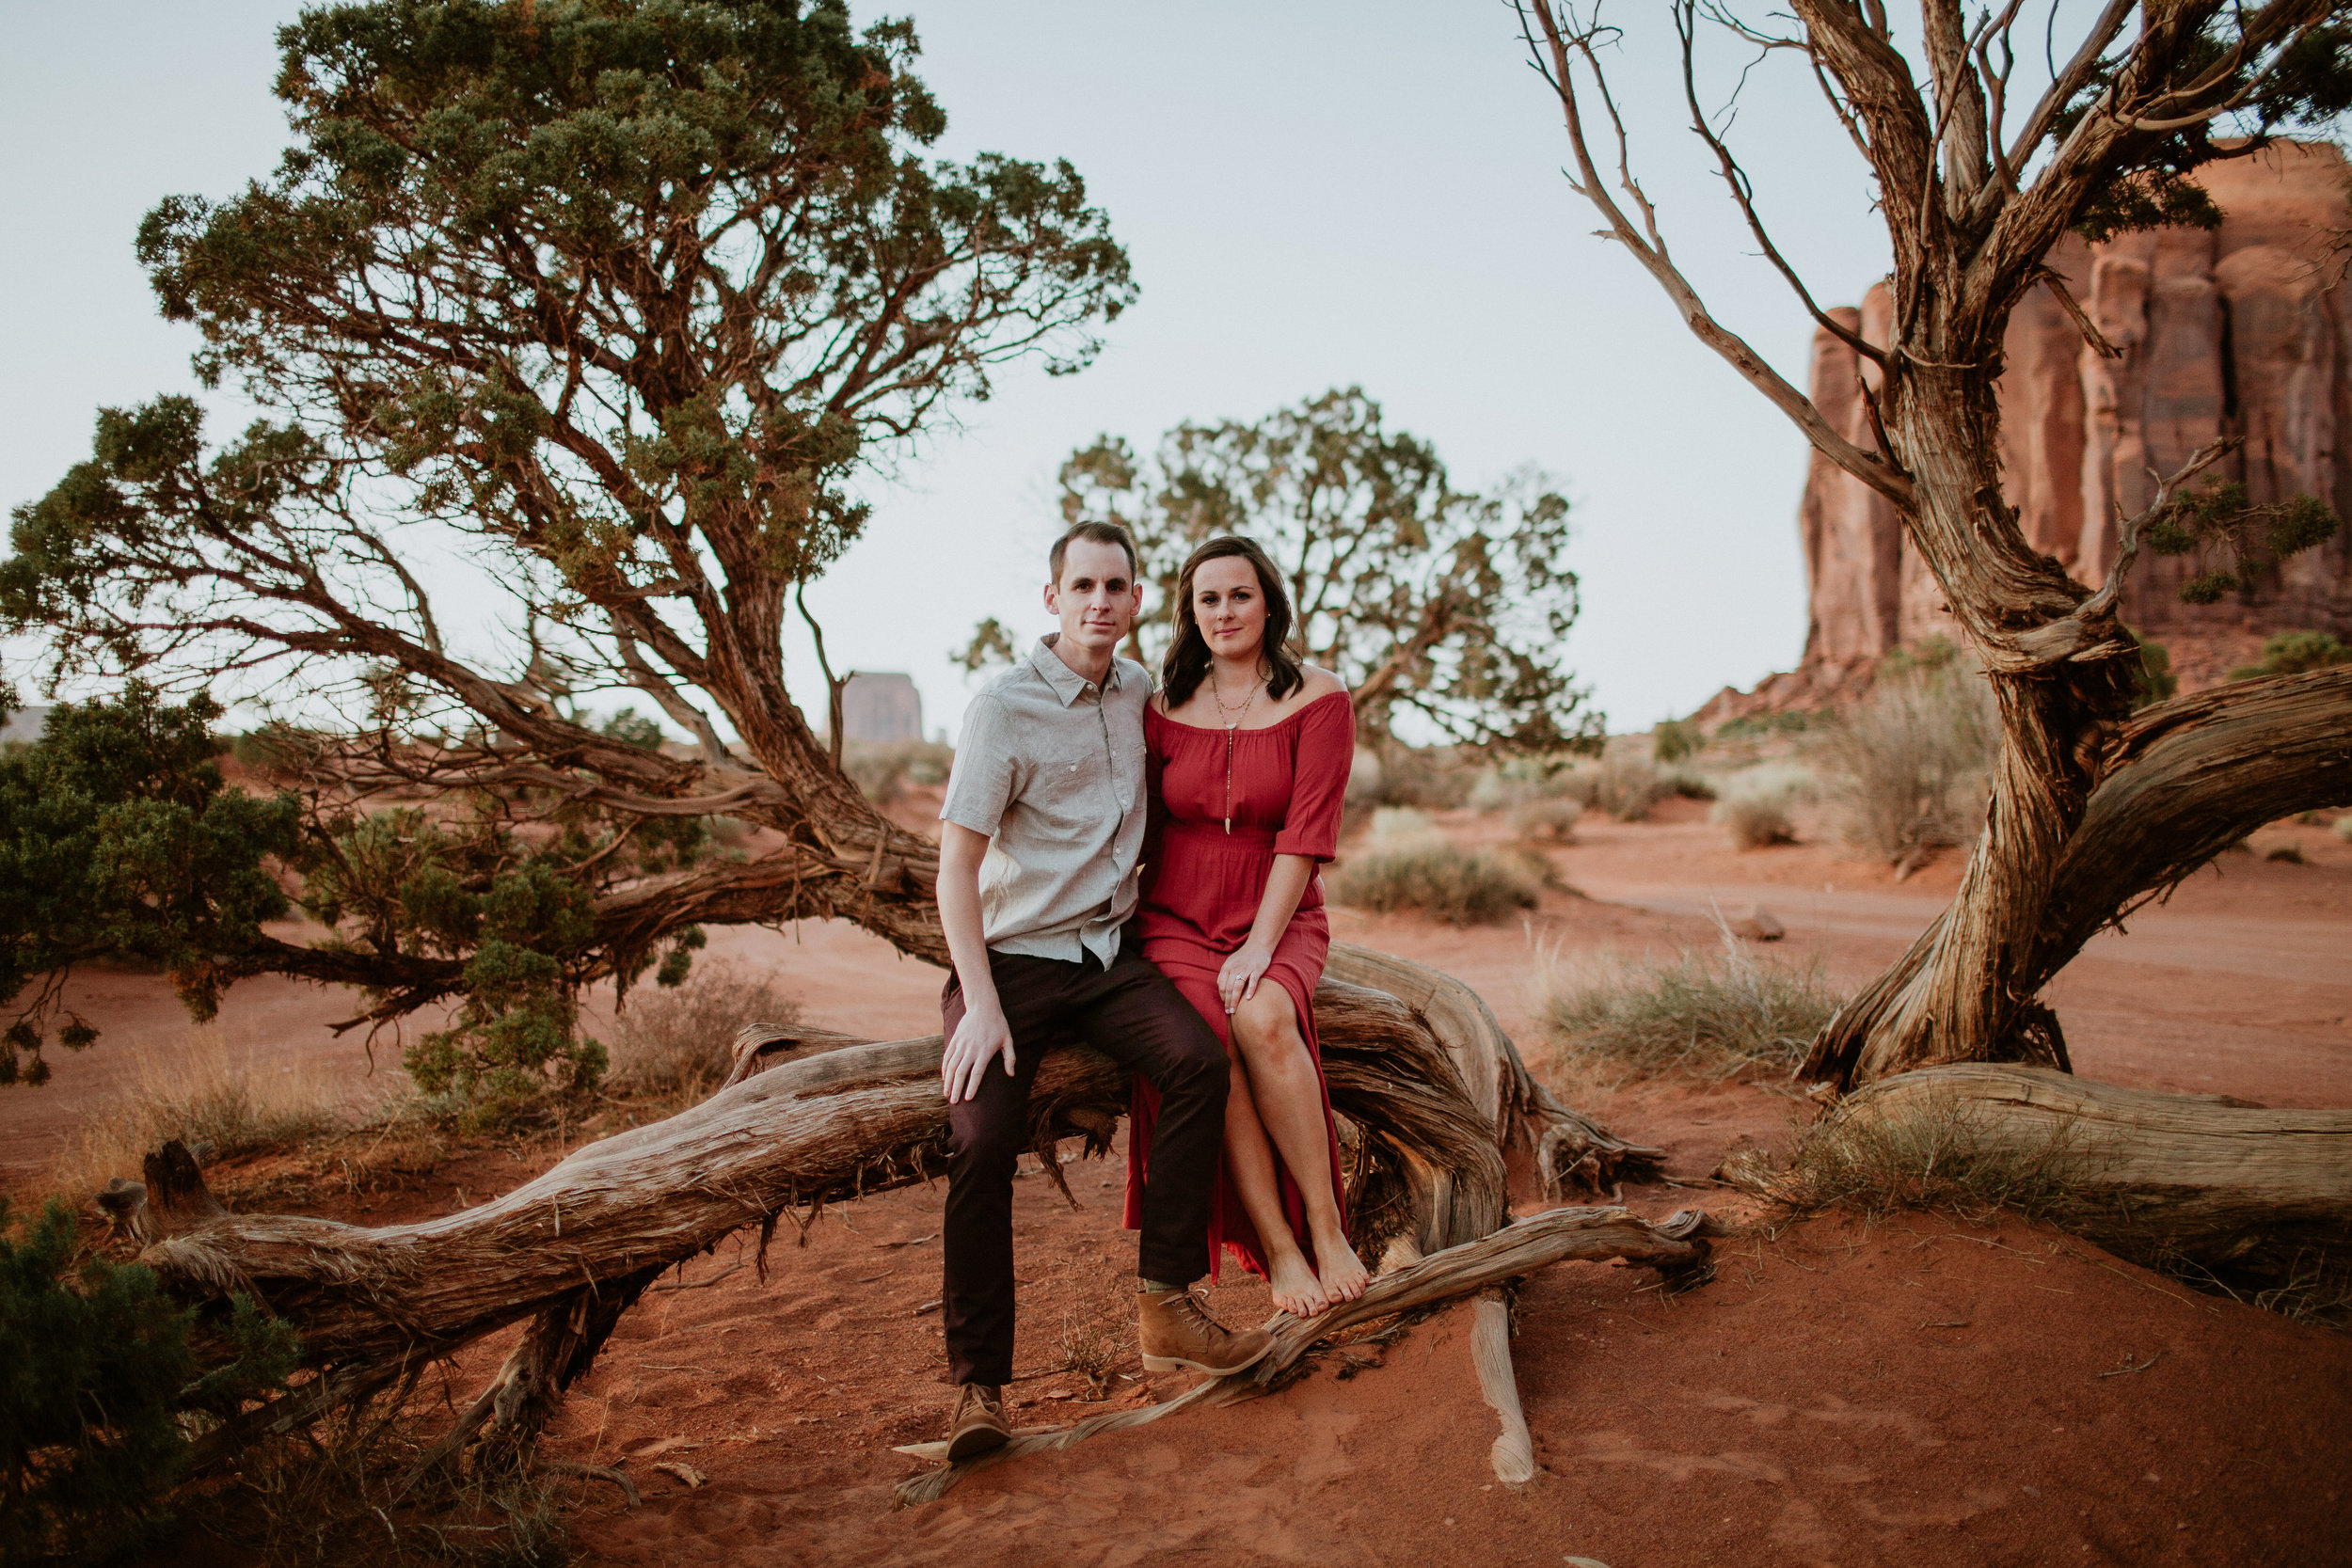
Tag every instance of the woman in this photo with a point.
(1247, 751)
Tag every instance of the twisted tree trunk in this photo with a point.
(2177, 784)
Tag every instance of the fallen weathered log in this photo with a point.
(807, 1120)
(1676, 1246)
(2243, 1192)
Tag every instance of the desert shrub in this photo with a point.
(1549, 820)
(1758, 805)
(1431, 777)
(2157, 679)
(1365, 779)
(100, 1392)
(1515, 782)
(1622, 784)
(1676, 739)
(1689, 783)
(1692, 1015)
(675, 1044)
(2343, 827)
(1405, 863)
(218, 1098)
(1908, 763)
(884, 768)
(2292, 652)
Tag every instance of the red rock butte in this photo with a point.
(2242, 330)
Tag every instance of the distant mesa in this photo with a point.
(881, 706)
(2239, 331)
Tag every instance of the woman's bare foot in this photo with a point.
(1345, 1275)
(1295, 1289)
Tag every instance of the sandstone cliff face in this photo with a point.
(2240, 331)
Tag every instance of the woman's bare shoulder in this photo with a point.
(1319, 683)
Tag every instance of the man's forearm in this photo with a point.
(959, 895)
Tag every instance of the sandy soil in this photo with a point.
(1919, 1391)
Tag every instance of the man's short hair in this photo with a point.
(1097, 534)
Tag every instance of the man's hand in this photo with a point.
(979, 1036)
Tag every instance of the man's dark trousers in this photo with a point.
(1132, 1014)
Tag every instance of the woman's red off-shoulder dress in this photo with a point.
(1200, 891)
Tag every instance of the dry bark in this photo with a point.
(1676, 1246)
(2239, 1191)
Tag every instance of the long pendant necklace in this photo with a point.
(1232, 725)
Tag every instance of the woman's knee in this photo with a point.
(1265, 1026)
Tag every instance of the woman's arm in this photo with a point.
(1238, 977)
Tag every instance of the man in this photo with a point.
(1041, 836)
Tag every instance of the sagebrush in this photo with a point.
(1910, 762)
(1404, 863)
(1696, 1014)
(676, 1044)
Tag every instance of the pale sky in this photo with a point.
(1314, 195)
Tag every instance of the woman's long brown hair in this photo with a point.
(1186, 664)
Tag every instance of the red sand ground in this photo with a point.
(1916, 1391)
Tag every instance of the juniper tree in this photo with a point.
(578, 329)
(1427, 600)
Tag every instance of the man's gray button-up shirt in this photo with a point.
(1050, 767)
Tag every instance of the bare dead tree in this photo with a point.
(1975, 189)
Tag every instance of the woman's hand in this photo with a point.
(1238, 977)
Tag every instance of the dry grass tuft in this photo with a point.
(215, 1096)
(675, 1045)
(1909, 764)
(1759, 805)
(1612, 1021)
(1546, 821)
(1935, 1153)
(1405, 863)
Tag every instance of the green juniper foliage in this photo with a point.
(2292, 652)
(611, 307)
(1424, 599)
(2220, 522)
(116, 837)
(102, 1380)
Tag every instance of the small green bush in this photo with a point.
(1676, 739)
(1691, 1016)
(2293, 652)
(1406, 864)
(100, 1391)
(2157, 679)
(1688, 783)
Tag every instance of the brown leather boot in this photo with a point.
(1177, 1332)
(978, 1427)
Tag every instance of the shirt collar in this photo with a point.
(1067, 683)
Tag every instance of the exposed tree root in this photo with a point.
(1676, 1246)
